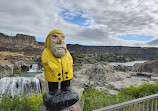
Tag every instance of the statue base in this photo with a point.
(75, 107)
(59, 101)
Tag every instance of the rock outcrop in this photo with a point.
(5, 70)
(95, 75)
(149, 66)
(101, 74)
(123, 68)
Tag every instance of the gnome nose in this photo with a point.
(60, 41)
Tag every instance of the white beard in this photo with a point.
(58, 50)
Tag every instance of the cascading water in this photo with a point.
(19, 85)
(34, 68)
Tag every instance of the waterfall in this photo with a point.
(34, 68)
(19, 85)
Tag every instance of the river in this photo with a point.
(125, 63)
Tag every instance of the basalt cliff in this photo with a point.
(20, 43)
(147, 53)
(28, 45)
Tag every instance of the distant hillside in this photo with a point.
(29, 46)
(136, 52)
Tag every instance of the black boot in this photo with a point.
(49, 97)
(53, 88)
(70, 96)
(65, 86)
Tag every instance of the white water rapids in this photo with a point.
(34, 68)
(19, 85)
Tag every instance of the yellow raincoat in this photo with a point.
(56, 69)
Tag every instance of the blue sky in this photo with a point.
(74, 18)
(136, 37)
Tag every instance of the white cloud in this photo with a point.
(106, 19)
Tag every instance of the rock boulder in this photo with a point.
(5, 70)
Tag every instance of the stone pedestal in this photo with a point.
(75, 107)
(60, 100)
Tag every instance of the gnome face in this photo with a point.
(57, 45)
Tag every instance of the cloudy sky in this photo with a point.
(86, 22)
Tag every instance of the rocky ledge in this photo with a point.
(149, 66)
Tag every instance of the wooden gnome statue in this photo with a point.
(58, 68)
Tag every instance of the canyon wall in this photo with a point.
(19, 39)
(29, 46)
(20, 43)
(148, 53)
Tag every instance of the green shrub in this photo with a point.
(21, 103)
(91, 60)
(17, 71)
(29, 58)
(77, 64)
(140, 91)
(93, 99)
